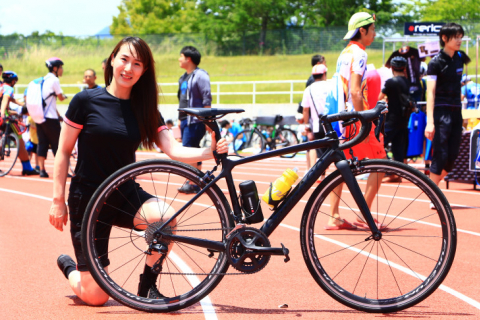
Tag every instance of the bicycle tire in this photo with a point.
(209, 217)
(364, 274)
(248, 143)
(9, 153)
(289, 139)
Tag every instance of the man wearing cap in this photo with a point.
(351, 70)
(314, 98)
(471, 92)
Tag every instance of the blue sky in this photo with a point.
(75, 18)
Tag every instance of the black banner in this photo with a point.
(422, 28)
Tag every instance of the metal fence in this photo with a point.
(216, 88)
(283, 41)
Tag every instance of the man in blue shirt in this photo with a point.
(194, 92)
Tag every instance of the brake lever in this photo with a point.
(380, 126)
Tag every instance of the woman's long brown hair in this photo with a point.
(144, 95)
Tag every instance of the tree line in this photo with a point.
(220, 20)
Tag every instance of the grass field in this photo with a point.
(238, 68)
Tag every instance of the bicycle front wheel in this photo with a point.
(189, 273)
(406, 265)
(8, 153)
(248, 143)
(286, 138)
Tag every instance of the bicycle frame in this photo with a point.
(331, 155)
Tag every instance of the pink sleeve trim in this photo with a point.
(161, 128)
(72, 124)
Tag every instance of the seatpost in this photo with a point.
(212, 124)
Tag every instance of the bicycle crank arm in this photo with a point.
(269, 251)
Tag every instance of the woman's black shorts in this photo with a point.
(119, 211)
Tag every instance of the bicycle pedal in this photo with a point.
(285, 253)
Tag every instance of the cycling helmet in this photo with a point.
(53, 62)
(9, 76)
(398, 63)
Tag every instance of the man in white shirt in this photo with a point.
(314, 99)
(49, 130)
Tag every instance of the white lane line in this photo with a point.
(303, 201)
(206, 303)
(449, 290)
(209, 309)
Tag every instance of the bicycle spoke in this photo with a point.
(394, 252)
(435, 260)
(131, 273)
(363, 268)
(390, 267)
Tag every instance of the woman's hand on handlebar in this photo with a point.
(221, 146)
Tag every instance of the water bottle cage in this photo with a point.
(275, 203)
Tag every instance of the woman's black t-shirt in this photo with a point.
(108, 139)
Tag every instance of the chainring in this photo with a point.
(240, 257)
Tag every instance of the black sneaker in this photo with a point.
(30, 172)
(153, 293)
(43, 174)
(188, 188)
(66, 264)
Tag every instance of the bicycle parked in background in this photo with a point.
(266, 133)
(10, 130)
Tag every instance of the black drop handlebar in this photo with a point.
(377, 115)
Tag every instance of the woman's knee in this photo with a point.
(91, 293)
(154, 210)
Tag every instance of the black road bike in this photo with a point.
(373, 269)
(252, 141)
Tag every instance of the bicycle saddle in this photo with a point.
(210, 113)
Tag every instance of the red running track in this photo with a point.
(32, 287)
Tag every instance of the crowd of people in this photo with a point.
(129, 103)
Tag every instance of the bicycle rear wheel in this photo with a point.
(248, 143)
(400, 270)
(8, 153)
(189, 272)
(286, 138)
